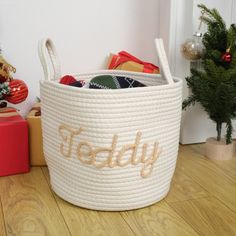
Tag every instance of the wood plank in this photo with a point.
(2, 223)
(29, 206)
(208, 175)
(159, 219)
(195, 154)
(184, 188)
(87, 222)
(208, 216)
(229, 167)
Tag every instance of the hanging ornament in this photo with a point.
(192, 48)
(18, 91)
(227, 57)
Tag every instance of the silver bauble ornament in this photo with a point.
(192, 48)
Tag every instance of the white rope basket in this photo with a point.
(111, 149)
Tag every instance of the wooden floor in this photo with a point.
(202, 201)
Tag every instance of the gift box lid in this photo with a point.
(125, 61)
(9, 114)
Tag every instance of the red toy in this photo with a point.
(67, 79)
(14, 157)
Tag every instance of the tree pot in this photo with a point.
(219, 150)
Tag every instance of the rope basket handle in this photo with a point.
(163, 60)
(49, 59)
(51, 65)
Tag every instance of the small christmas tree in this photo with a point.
(214, 87)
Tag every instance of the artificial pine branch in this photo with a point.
(188, 102)
(212, 16)
(231, 36)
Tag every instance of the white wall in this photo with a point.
(84, 32)
(196, 127)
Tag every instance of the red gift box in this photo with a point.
(14, 158)
(125, 61)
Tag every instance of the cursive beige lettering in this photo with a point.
(149, 162)
(67, 133)
(85, 153)
(129, 147)
(108, 161)
(101, 157)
